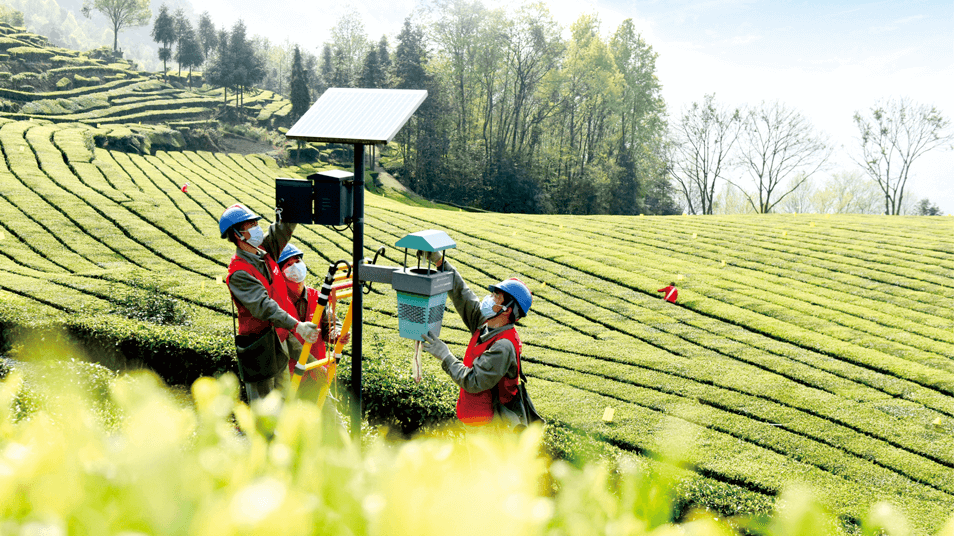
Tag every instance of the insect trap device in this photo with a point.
(421, 290)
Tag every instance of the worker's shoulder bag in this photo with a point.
(257, 353)
(520, 411)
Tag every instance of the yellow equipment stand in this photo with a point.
(336, 286)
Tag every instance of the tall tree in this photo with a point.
(300, 97)
(893, 135)
(591, 89)
(327, 68)
(207, 34)
(312, 73)
(701, 144)
(350, 44)
(164, 33)
(534, 49)
(640, 138)
(384, 60)
(371, 74)
(121, 14)
(248, 68)
(189, 52)
(182, 26)
(422, 142)
(456, 31)
(221, 71)
(278, 56)
(778, 144)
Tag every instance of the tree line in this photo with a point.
(522, 116)
(766, 156)
(518, 118)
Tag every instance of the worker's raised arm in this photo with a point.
(465, 301)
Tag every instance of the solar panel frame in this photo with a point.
(357, 115)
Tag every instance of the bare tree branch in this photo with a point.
(778, 143)
(699, 152)
(895, 134)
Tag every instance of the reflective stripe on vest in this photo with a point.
(277, 291)
(477, 408)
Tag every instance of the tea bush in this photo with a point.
(147, 303)
(130, 456)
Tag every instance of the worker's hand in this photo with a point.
(308, 331)
(337, 337)
(436, 347)
(435, 257)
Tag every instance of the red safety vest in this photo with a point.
(477, 408)
(277, 290)
(318, 348)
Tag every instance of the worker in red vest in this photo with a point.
(304, 300)
(670, 292)
(260, 294)
(489, 373)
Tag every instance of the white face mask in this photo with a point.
(255, 236)
(296, 272)
(487, 307)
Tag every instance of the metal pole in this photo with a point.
(357, 296)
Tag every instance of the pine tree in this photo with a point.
(384, 60)
(189, 52)
(371, 72)
(409, 57)
(300, 97)
(248, 67)
(182, 26)
(207, 34)
(219, 73)
(164, 33)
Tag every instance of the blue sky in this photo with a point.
(826, 59)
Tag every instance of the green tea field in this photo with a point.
(66, 86)
(802, 348)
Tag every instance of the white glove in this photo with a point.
(435, 257)
(436, 347)
(308, 331)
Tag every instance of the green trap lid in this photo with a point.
(430, 240)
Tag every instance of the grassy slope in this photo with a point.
(802, 348)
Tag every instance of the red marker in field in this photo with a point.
(185, 187)
(671, 292)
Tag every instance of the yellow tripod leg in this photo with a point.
(336, 355)
(319, 311)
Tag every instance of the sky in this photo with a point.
(826, 59)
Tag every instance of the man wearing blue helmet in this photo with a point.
(260, 294)
(489, 373)
(304, 300)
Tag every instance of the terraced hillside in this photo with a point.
(41, 81)
(802, 348)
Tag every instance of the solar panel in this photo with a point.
(356, 115)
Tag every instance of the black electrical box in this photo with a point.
(294, 198)
(325, 198)
(334, 196)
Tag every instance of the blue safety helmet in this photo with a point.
(289, 252)
(233, 215)
(515, 288)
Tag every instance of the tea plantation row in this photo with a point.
(802, 347)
